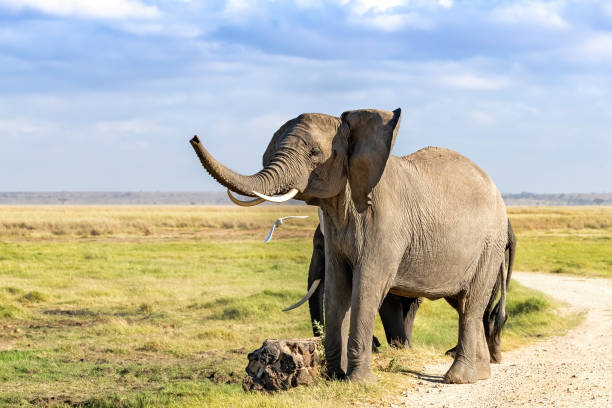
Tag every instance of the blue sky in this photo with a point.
(104, 95)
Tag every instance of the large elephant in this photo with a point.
(397, 313)
(431, 224)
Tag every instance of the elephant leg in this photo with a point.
(472, 356)
(317, 271)
(397, 315)
(483, 359)
(409, 308)
(338, 291)
(488, 320)
(463, 370)
(369, 289)
(493, 343)
(392, 317)
(455, 305)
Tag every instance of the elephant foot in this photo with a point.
(362, 375)
(337, 374)
(496, 355)
(452, 352)
(398, 344)
(496, 358)
(461, 373)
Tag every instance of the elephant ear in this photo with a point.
(372, 134)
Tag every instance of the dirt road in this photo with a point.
(570, 371)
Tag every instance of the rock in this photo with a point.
(282, 364)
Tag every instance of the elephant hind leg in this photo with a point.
(472, 360)
(463, 370)
(493, 342)
(483, 366)
(472, 354)
(455, 305)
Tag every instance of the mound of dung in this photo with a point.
(282, 364)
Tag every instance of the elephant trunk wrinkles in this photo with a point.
(272, 179)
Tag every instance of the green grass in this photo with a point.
(574, 254)
(160, 322)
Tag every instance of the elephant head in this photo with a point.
(313, 157)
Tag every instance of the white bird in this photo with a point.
(279, 222)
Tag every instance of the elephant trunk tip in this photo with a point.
(195, 140)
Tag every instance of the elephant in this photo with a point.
(397, 313)
(430, 224)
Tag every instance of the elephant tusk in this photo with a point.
(280, 199)
(311, 291)
(249, 203)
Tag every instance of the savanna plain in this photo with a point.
(123, 306)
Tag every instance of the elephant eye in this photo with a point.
(315, 151)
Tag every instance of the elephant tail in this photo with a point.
(511, 247)
(499, 316)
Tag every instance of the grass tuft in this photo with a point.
(530, 305)
(145, 308)
(33, 297)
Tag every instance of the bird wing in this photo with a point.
(293, 216)
(269, 237)
(278, 222)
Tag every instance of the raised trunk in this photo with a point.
(271, 180)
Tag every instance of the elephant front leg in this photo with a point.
(337, 303)
(368, 293)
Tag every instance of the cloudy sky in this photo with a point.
(104, 95)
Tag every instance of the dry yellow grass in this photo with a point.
(223, 222)
(571, 219)
(165, 222)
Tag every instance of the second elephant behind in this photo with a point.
(397, 313)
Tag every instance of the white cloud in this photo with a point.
(238, 10)
(544, 14)
(394, 22)
(362, 7)
(597, 47)
(106, 9)
(389, 15)
(473, 82)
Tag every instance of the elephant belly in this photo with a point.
(436, 275)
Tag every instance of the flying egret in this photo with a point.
(279, 222)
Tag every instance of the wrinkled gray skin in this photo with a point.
(397, 313)
(431, 224)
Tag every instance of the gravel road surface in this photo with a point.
(570, 371)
